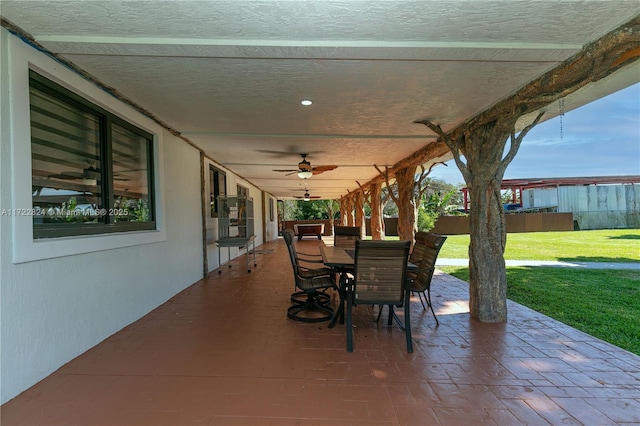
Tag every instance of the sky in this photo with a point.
(598, 139)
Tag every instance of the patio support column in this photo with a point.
(377, 220)
(359, 210)
(407, 207)
(349, 210)
(343, 211)
(483, 146)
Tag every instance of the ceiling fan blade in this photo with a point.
(290, 170)
(67, 176)
(292, 151)
(322, 169)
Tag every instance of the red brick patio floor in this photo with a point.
(223, 352)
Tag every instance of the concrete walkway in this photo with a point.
(549, 263)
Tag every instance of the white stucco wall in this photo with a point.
(77, 292)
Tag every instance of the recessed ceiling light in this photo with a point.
(306, 102)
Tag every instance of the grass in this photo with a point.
(602, 303)
(609, 245)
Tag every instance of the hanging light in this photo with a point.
(305, 174)
(90, 176)
(307, 197)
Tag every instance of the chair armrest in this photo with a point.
(301, 259)
(411, 271)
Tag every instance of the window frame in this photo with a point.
(106, 121)
(271, 210)
(214, 188)
(242, 191)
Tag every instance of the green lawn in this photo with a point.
(602, 303)
(610, 245)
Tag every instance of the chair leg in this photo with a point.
(313, 304)
(420, 297)
(391, 315)
(322, 297)
(407, 323)
(431, 305)
(349, 320)
(381, 307)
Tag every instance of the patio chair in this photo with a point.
(346, 236)
(380, 279)
(312, 282)
(305, 259)
(429, 245)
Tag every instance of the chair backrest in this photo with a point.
(419, 246)
(289, 236)
(380, 271)
(432, 244)
(346, 236)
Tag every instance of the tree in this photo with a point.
(331, 209)
(482, 141)
(483, 147)
(309, 210)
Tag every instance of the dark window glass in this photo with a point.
(218, 187)
(130, 153)
(91, 171)
(271, 209)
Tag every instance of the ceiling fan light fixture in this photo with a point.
(90, 176)
(307, 197)
(305, 174)
(306, 102)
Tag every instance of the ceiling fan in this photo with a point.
(89, 176)
(305, 171)
(306, 196)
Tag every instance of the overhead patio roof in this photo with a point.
(229, 76)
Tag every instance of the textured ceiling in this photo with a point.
(229, 75)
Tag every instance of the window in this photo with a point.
(217, 187)
(271, 209)
(242, 191)
(92, 172)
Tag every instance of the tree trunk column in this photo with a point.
(349, 211)
(487, 271)
(485, 146)
(377, 221)
(407, 225)
(359, 208)
(343, 211)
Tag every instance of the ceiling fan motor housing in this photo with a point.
(304, 165)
